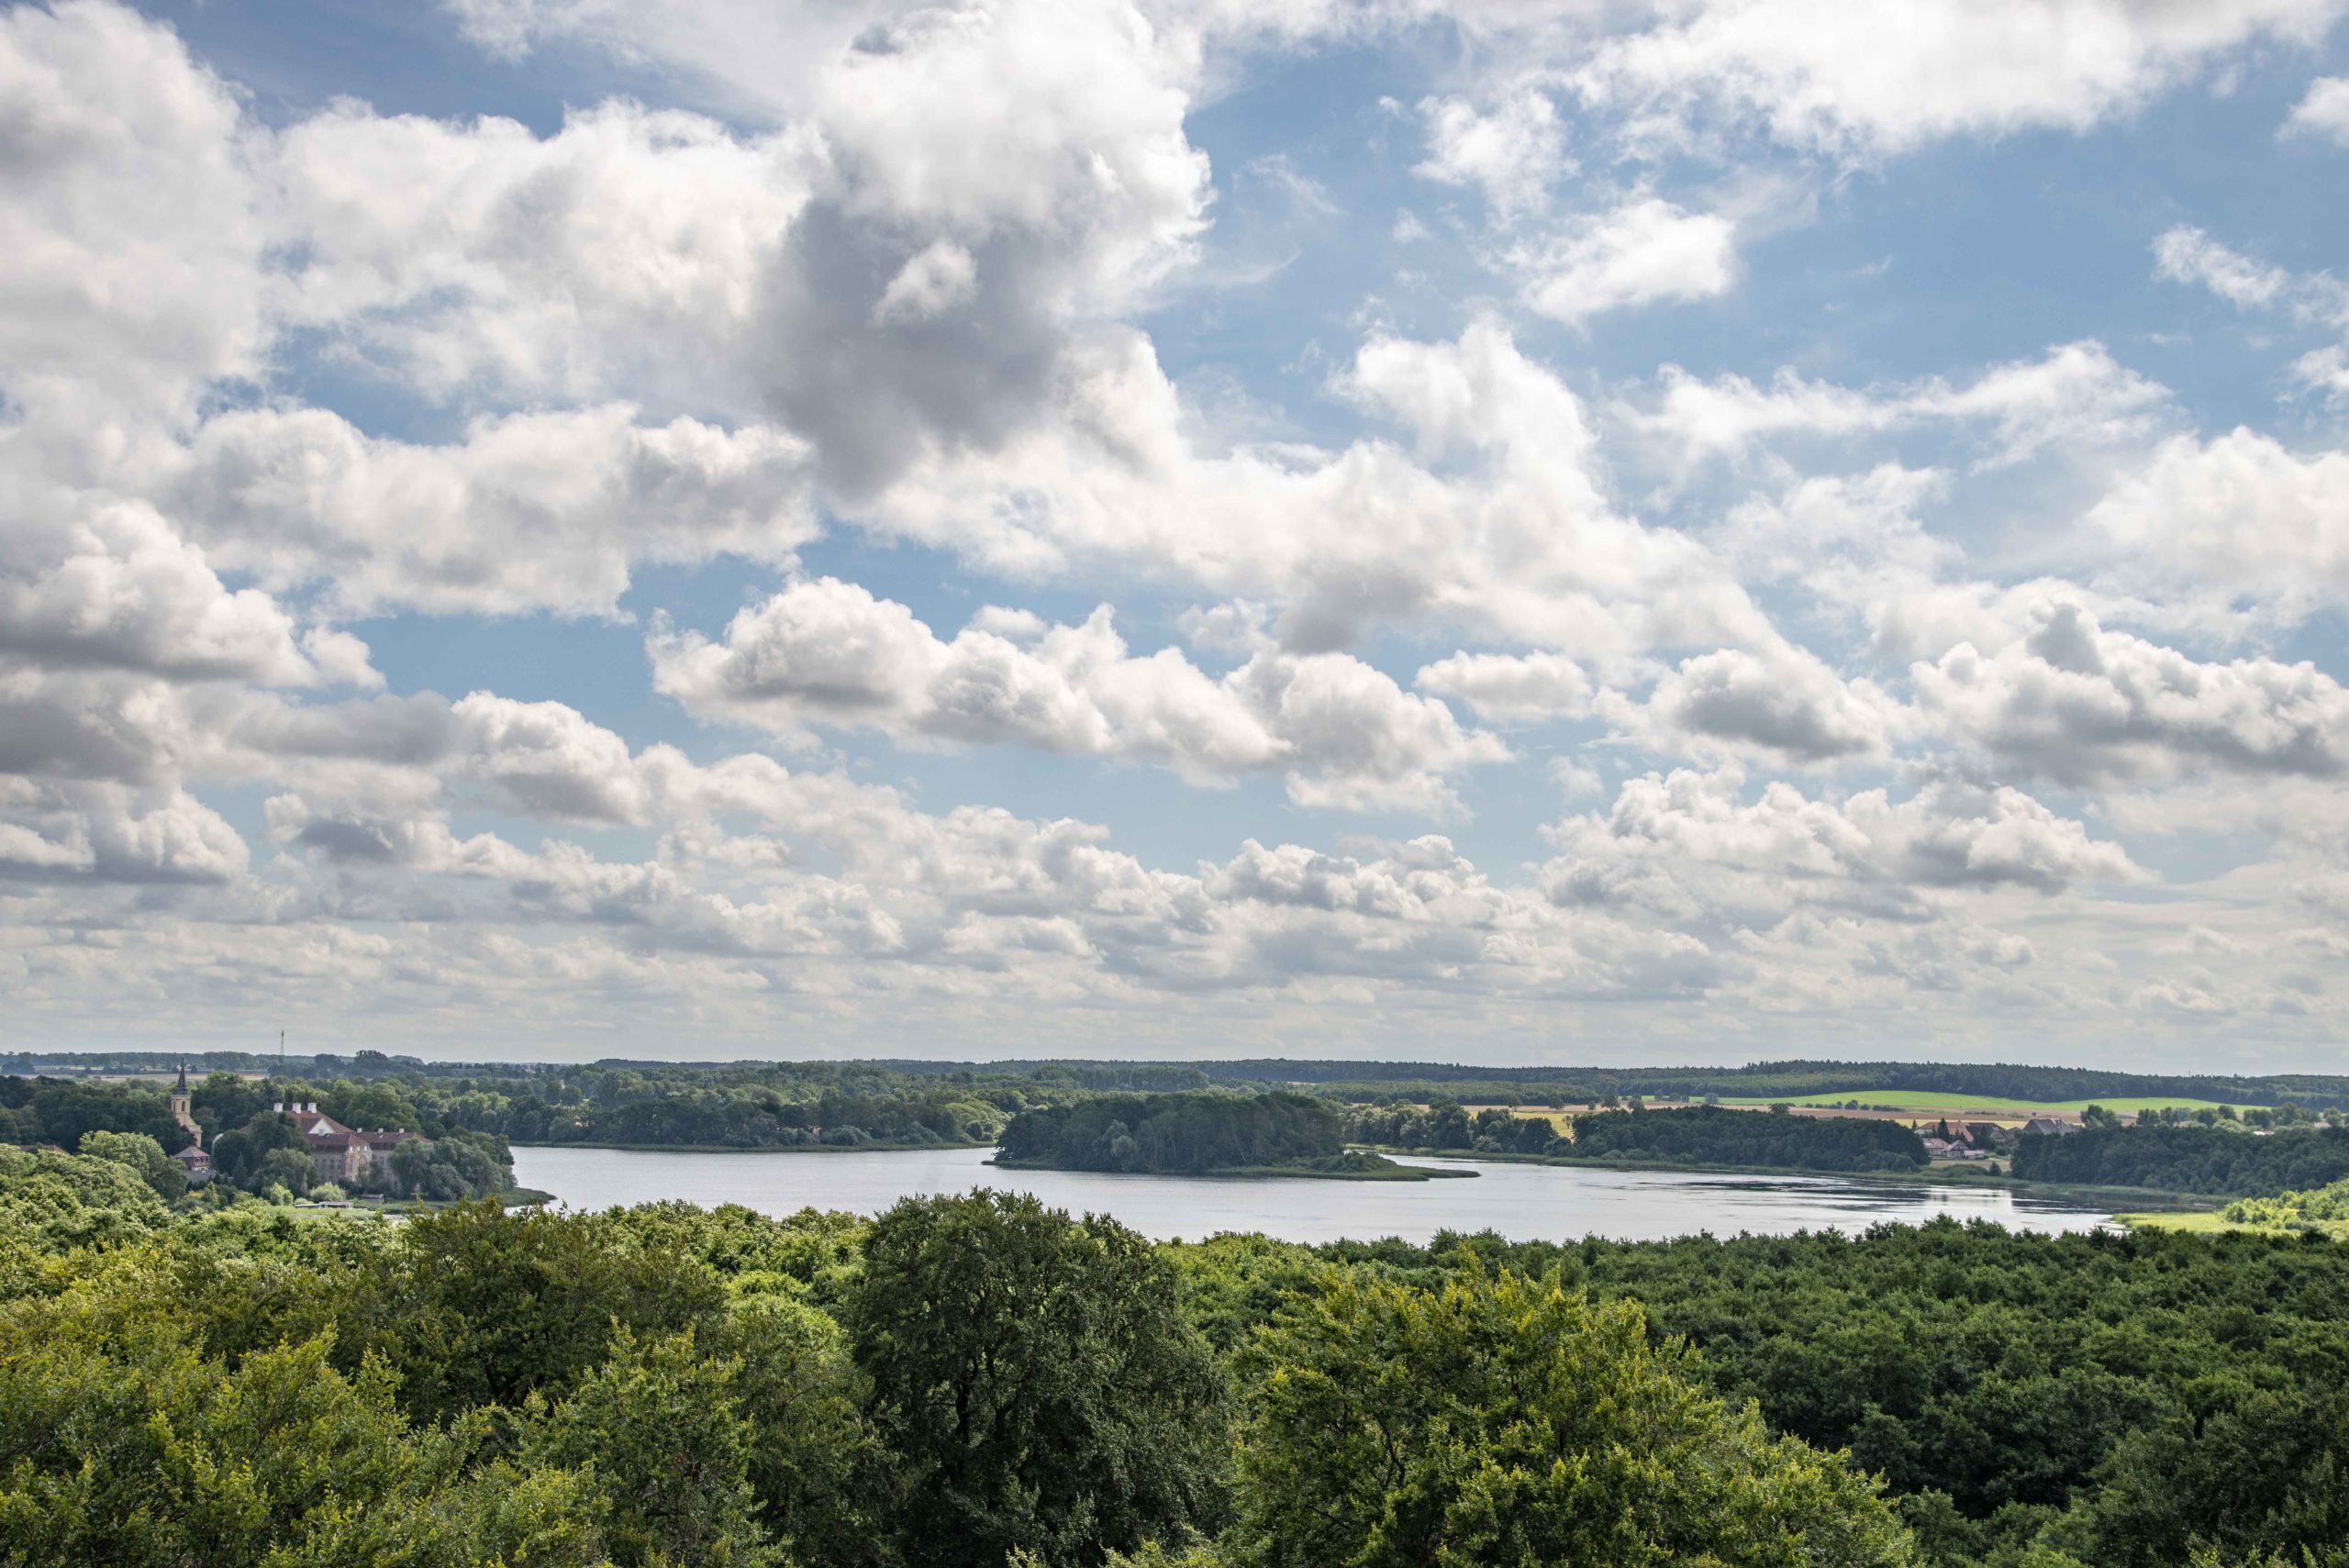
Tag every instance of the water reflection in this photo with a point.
(1523, 1202)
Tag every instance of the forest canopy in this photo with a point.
(1176, 1133)
(2223, 1161)
(972, 1376)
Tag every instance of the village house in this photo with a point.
(344, 1154)
(2050, 1127)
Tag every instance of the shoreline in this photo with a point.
(876, 1146)
(1253, 1172)
(2141, 1200)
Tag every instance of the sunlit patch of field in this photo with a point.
(2210, 1222)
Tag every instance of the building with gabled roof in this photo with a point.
(346, 1154)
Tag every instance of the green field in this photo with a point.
(2208, 1222)
(1921, 1100)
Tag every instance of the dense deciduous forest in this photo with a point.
(971, 1377)
(1177, 1132)
(768, 1106)
(60, 1111)
(2225, 1161)
(2122, 1400)
(1708, 1135)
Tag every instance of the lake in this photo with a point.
(1525, 1203)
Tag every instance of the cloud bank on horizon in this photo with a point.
(1522, 531)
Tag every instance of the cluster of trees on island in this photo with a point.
(981, 1382)
(1185, 1133)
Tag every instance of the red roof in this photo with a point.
(322, 1131)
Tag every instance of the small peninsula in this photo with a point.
(1204, 1134)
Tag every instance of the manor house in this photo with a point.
(346, 1154)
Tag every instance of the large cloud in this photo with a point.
(2083, 705)
(97, 581)
(107, 833)
(2240, 514)
(1879, 80)
(1495, 520)
(129, 214)
(1782, 703)
(828, 652)
(546, 510)
(956, 196)
(1688, 845)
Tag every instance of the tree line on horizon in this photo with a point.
(1344, 1079)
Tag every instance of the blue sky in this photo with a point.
(1517, 532)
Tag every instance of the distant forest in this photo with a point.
(1706, 1135)
(1356, 1080)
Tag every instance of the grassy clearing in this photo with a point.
(2201, 1222)
(2211, 1222)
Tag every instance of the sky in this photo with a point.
(1580, 532)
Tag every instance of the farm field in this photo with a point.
(1905, 1105)
(1922, 1102)
(1558, 1113)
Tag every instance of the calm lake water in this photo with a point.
(1523, 1202)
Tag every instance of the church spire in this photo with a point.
(182, 1084)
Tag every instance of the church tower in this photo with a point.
(182, 1108)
